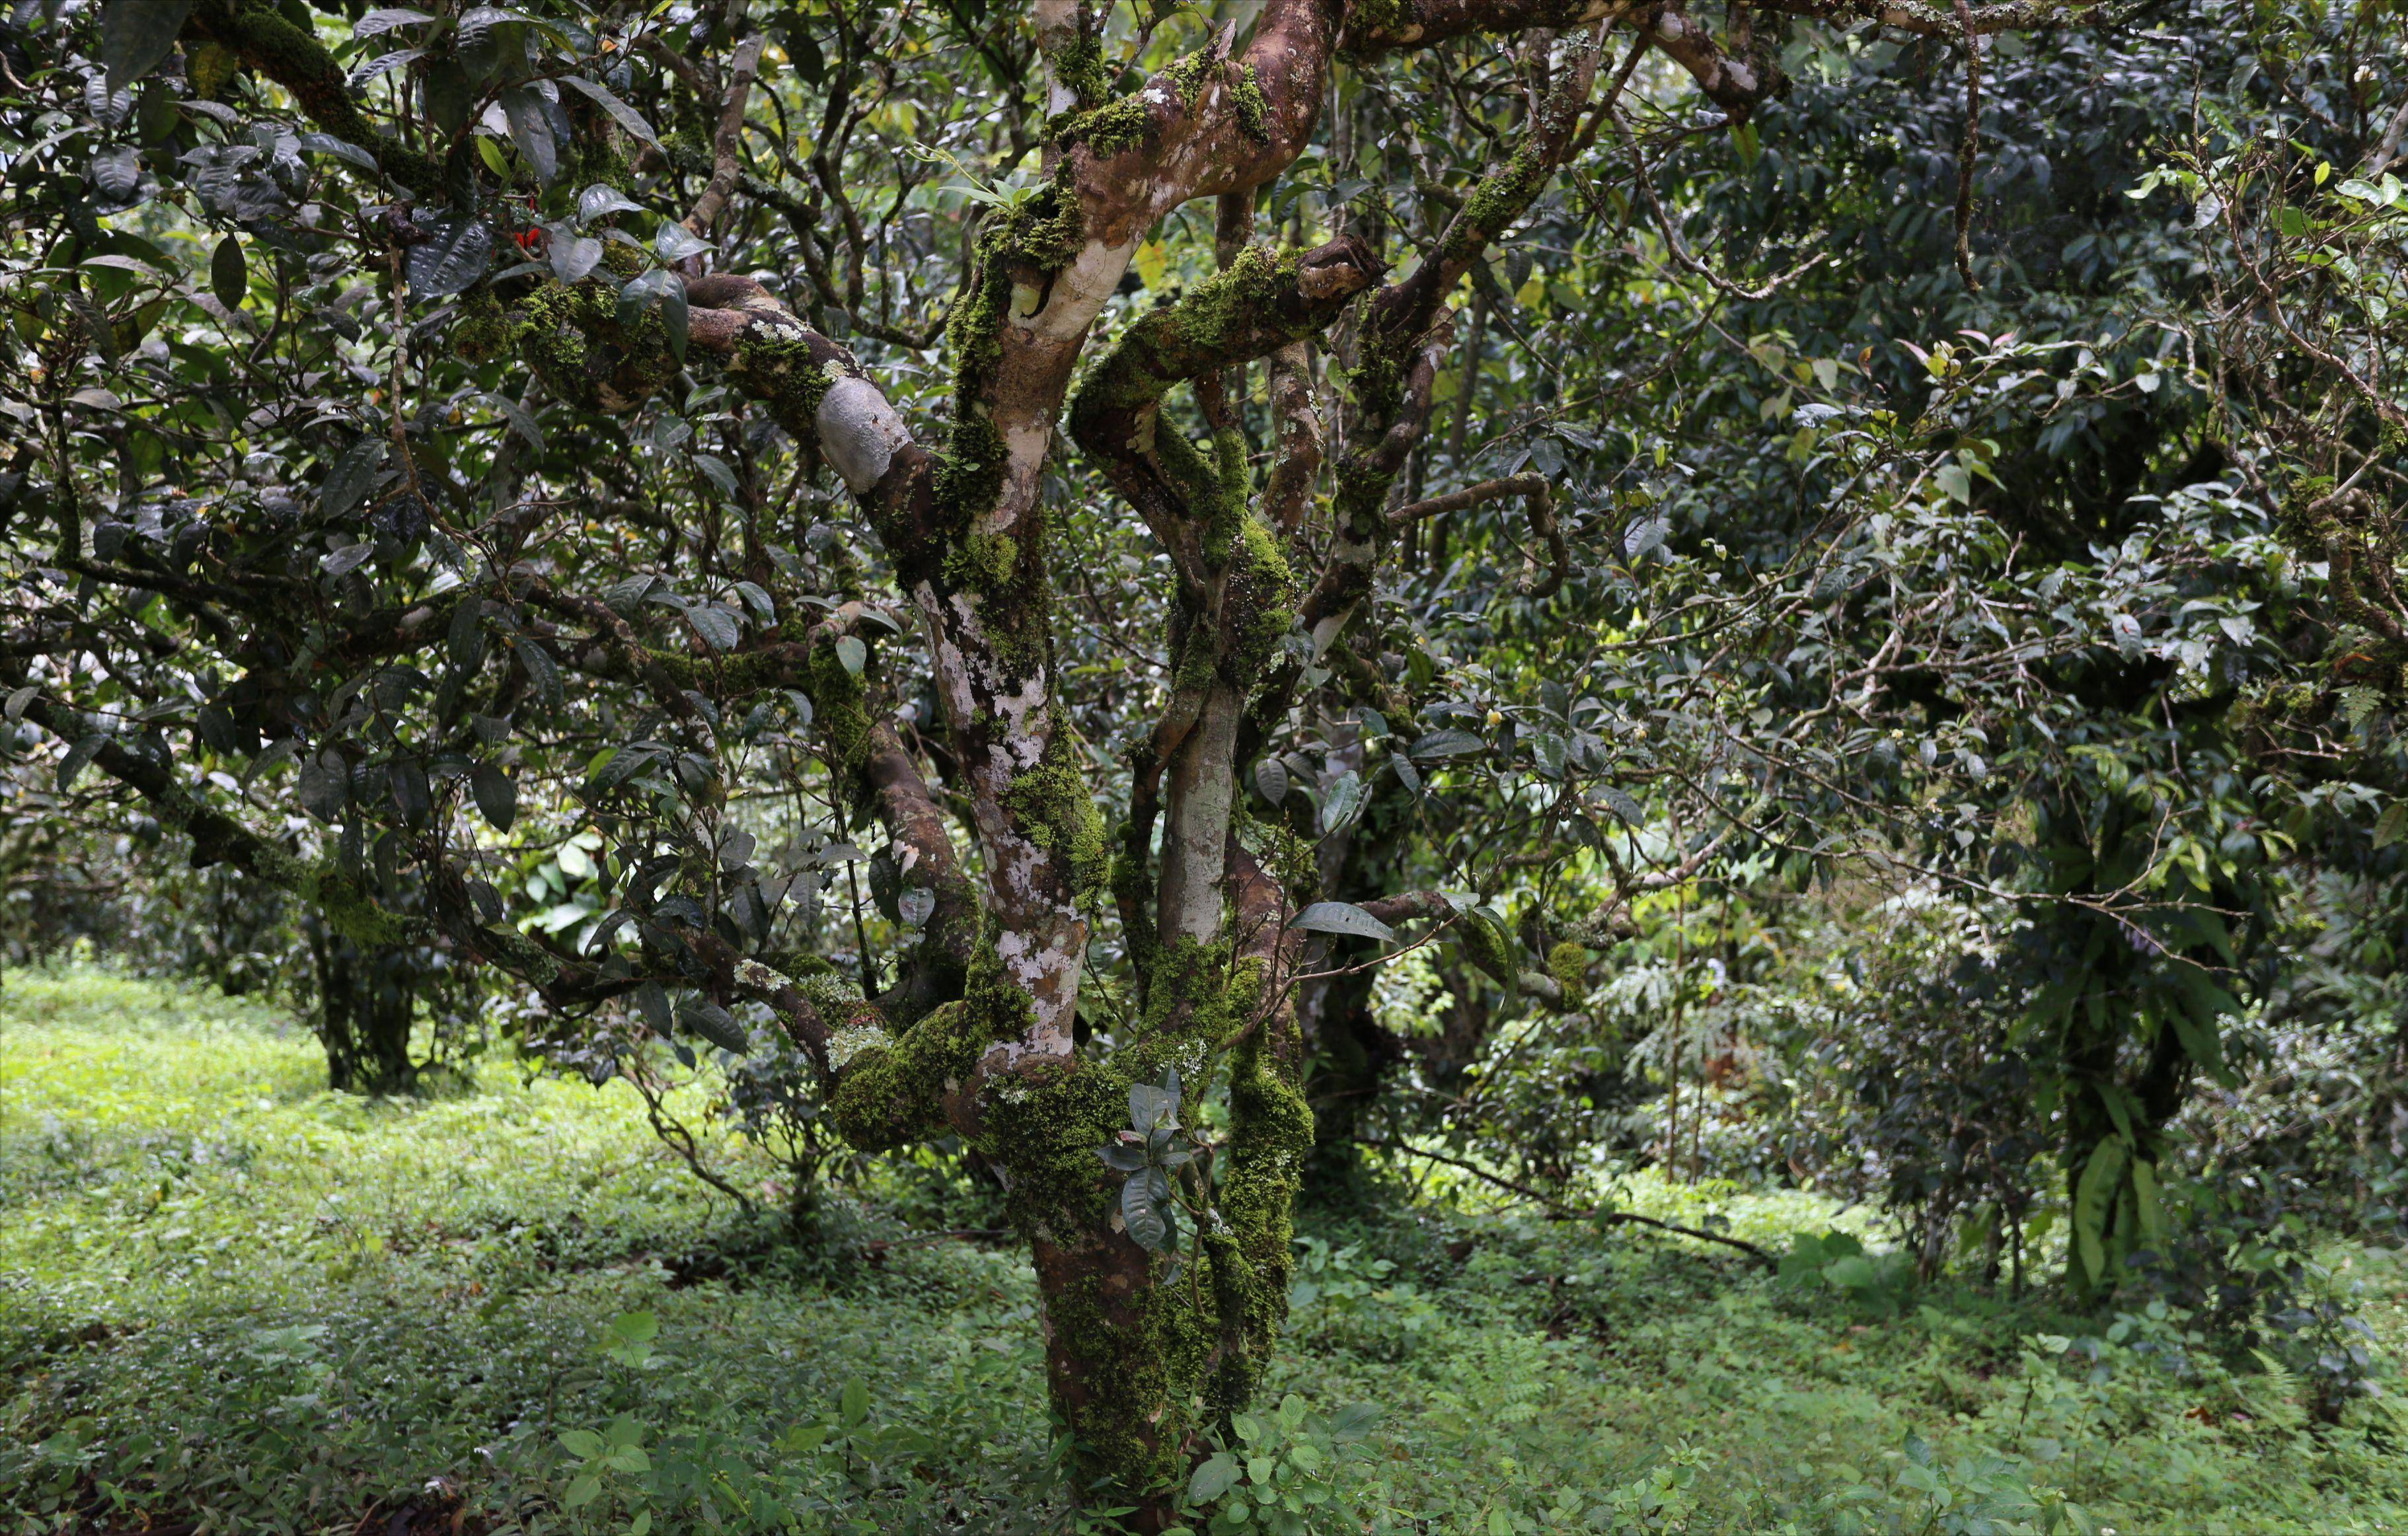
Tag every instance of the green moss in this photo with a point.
(626, 261)
(1134, 1381)
(838, 706)
(593, 153)
(1198, 662)
(1057, 811)
(782, 373)
(1270, 1133)
(895, 1094)
(484, 331)
(1133, 893)
(1143, 1357)
(1248, 308)
(984, 562)
(1038, 237)
(352, 912)
(1501, 197)
(1254, 108)
(1378, 377)
(1567, 962)
(570, 335)
(1235, 298)
(1044, 1126)
(1483, 946)
(1081, 69)
(1114, 128)
(1259, 604)
(1127, 1357)
(1188, 75)
(1369, 17)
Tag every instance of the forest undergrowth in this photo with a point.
(231, 1301)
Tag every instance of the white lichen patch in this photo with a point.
(846, 1043)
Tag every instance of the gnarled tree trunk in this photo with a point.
(1162, 1252)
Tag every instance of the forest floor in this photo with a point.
(232, 1301)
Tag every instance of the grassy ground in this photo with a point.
(232, 1300)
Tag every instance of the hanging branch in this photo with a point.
(1562, 1213)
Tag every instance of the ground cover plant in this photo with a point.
(237, 1299)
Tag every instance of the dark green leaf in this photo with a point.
(623, 115)
(541, 670)
(411, 793)
(229, 274)
(1354, 1421)
(78, 757)
(626, 598)
(117, 172)
(386, 18)
(702, 1016)
(717, 626)
(1270, 779)
(715, 469)
(350, 558)
(326, 787)
(497, 798)
(1449, 743)
(531, 132)
(573, 255)
(2094, 1195)
(455, 254)
(327, 143)
(348, 480)
(1141, 1216)
(602, 199)
(136, 35)
(1215, 1478)
(465, 644)
(675, 243)
(1152, 1107)
(654, 1003)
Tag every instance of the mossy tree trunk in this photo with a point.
(1149, 1342)
(1161, 1246)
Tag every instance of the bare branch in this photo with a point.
(727, 145)
(1539, 499)
(1555, 1208)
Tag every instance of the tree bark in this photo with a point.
(368, 1000)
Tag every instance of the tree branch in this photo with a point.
(1598, 1217)
(727, 145)
(1538, 500)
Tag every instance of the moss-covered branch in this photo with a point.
(271, 44)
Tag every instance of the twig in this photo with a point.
(726, 147)
(1645, 176)
(1537, 499)
(1599, 1217)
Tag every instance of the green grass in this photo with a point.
(230, 1297)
